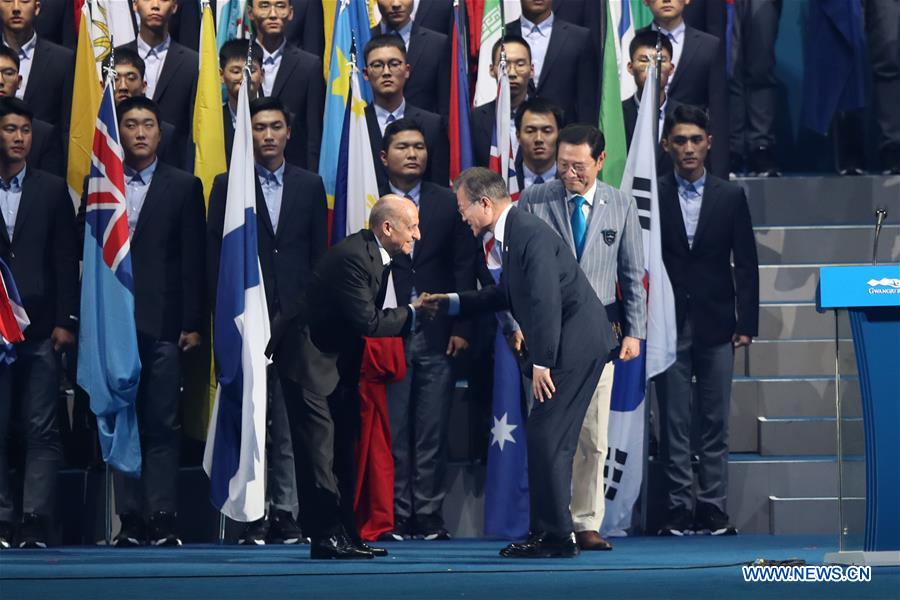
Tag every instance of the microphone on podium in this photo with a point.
(880, 215)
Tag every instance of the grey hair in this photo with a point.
(477, 182)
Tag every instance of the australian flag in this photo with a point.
(109, 368)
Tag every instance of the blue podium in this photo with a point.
(871, 296)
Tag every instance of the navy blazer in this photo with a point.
(706, 286)
(49, 89)
(436, 15)
(43, 254)
(46, 149)
(482, 122)
(563, 321)
(436, 141)
(630, 113)
(428, 56)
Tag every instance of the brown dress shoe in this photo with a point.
(591, 540)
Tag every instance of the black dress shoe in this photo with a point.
(338, 546)
(375, 551)
(546, 546)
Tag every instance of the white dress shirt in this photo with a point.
(271, 63)
(390, 296)
(690, 197)
(10, 199)
(538, 38)
(26, 57)
(386, 117)
(154, 59)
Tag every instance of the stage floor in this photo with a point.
(647, 567)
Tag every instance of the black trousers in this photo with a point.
(553, 427)
(324, 431)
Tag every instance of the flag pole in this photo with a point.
(221, 528)
(658, 62)
(107, 516)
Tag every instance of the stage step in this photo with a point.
(793, 358)
(799, 321)
(824, 244)
(792, 516)
(789, 282)
(809, 436)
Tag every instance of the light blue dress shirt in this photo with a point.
(538, 38)
(690, 196)
(386, 117)
(404, 32)
(26, 58)
(272, 189)
(10, 198)
(271, 63)
(154, 59)
(136, 185)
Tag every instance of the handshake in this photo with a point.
(431, 306)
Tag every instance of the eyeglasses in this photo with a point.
(579, 168)
(378, 66)
(463, 211)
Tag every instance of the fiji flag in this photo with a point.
(13, 319)
(109, 368)
(235, 458)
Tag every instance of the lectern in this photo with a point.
(871, 297)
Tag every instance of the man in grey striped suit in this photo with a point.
(601, 226)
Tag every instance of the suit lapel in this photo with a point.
(414, 52)
(174, 58)
(598, 214)
(26, 202)
(157, 189)
(668, 197)
(687, 55)
(262, 209)
(288, 204)
(560, 211)
(289, 61)
(39, 60)
(374, 131)
(557, 41)
(707, 206)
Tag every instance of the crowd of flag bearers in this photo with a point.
(220, 200)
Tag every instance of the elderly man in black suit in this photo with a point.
(292, 75)
(419, 405)
(166, 224)
(38, 243)
(705, 224)
(428, 55)
(292, 235)
(49, 92)
(318, 352)
(388, 73)
(699, 77)
(567, 341)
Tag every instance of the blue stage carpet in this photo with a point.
(648, 567)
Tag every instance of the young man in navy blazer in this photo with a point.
(38, 241)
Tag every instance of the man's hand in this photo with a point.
(741, 340)
(430, 305)
(516, 342)
(188, 340)
(61, 338)
(456, 345)
(541, 384)
(631, 348)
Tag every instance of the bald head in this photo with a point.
(395, 221)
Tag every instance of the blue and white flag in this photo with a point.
(235, 457)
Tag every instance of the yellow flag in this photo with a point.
(209, 125)
(329, 8)
(86, 94)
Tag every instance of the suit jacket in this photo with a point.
(570, 76)
(49, 89)
(177, 86)
(436, 15)
(428, 56)
(174, 149)
(564, 323)
(436, 142)
(56, 23)
(706, 287)
(699, 79)
(613, 248)
(168, 256)
(482, 124)
(46, 149)
(441, 262)
(630, 113)
(286, 257)
(323, 344)
(301, 87)
(229, 133)
(43, 254)
(590, 14)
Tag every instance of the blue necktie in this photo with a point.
(579, 225)
(538, 180)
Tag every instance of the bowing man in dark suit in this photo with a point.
(166, 222)
(318, 352)
(173, 147)
(567, 341)
(484, 118)
(170, 69)
(292, 75)
(699, 77)
(388, 72)
(642, 52)
(49, 92)
(46, 144)
(419, 405)
(232, 60)
(38, 243)
(427, 52)
(565, 65)
(292, 234)
(704, 223)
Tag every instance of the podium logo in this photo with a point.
(885, 285)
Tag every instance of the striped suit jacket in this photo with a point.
(613, 247)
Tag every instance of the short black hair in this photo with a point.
(127, 56)
(270, 103)
(384, 40)
(539, 106)
(579, 133)
(686, 113)
(509, 38)
(10, 54)
(404, 124)
(10, 105)
(138, 102)
(237, 50)
(646, 38)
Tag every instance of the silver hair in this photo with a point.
(478, 182)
